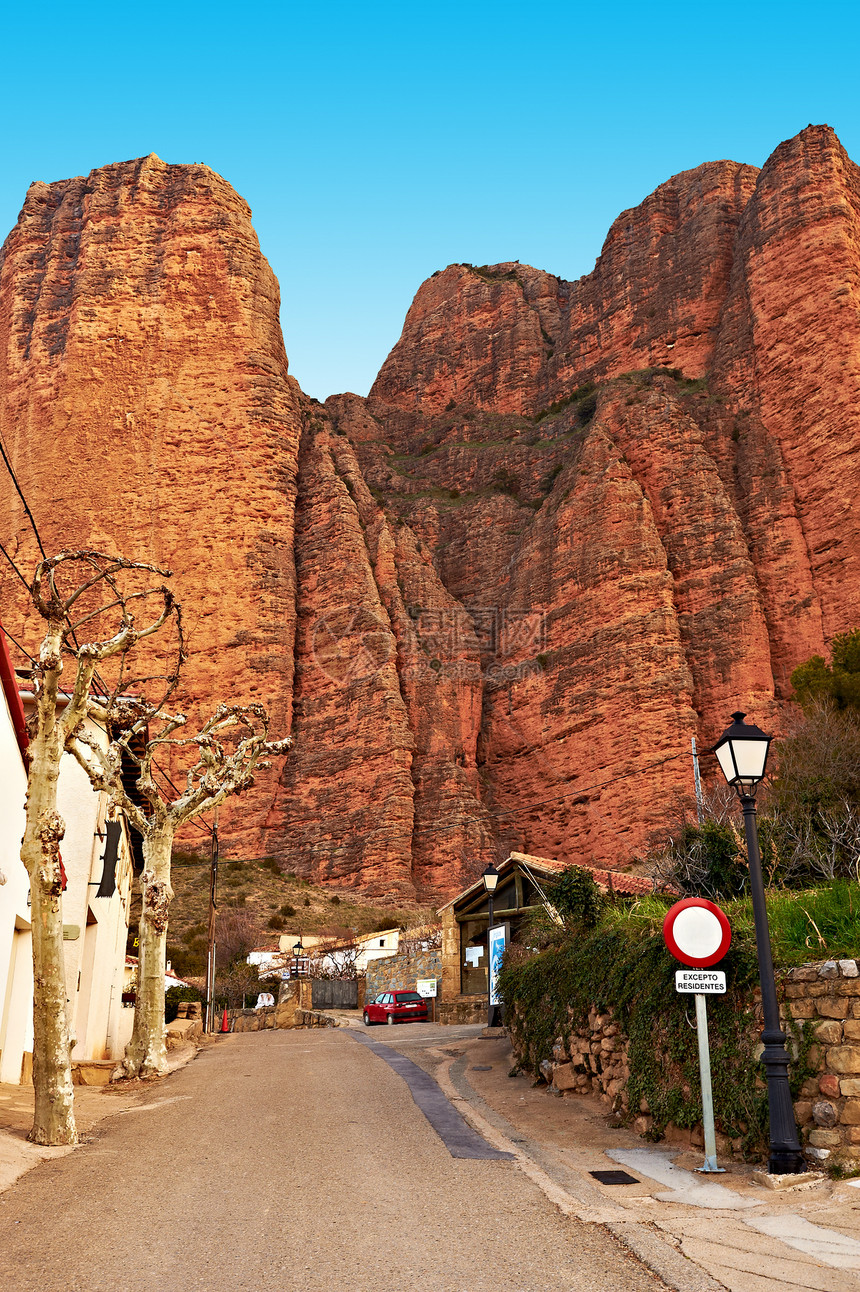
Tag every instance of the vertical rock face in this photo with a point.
(789, 352)
(147, 409)
(572, 526)
(510, 338)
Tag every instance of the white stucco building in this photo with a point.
(97, 859)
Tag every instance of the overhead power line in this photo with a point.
(23, 500)
(17, 644)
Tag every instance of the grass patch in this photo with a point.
(815, 924)
(492, 275)
(584, 395)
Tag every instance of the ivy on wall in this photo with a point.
(630, 974)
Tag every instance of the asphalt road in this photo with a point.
(291, 1161)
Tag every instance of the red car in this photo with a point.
(396, 1007)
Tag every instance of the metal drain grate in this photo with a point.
(482, 1067)
(614, 1177)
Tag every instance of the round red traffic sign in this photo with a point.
(697, 932)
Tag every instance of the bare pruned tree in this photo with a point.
(218, 770)
(86, 591)
(55, 729)
(335, 958)
(422, 937)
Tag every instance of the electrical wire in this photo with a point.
(586, 789)
(17, 644)
(98, 684)
(599, 785)
(24, 501)
(14, 567)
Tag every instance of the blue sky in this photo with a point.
(377, 143)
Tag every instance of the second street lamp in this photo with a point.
(491, 879)
(742, 754)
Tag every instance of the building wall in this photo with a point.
(453, 1005)
(401, 972)
(95, 927)
(16, 967)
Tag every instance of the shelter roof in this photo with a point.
(613, 881)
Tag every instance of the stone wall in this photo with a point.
(401, 972)
(271, 1016)
(594, 1061)
(828, 1109)
(453, 1007)
(294, 1009)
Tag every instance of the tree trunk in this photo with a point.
(54, 1117)
(146, 1052)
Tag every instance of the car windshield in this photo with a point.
(404, 997)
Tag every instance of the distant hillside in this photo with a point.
(274, 903)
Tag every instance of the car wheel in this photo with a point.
(366, 1019)
(390, 1020)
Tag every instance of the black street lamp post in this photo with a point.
(742, 753)
(298, 951)
(491, 879)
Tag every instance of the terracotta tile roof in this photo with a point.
(541, 863)
(610, 880)
(616, 882)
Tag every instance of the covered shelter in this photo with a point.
(521, 890)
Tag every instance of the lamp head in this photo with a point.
(742, 754)
(490, 878)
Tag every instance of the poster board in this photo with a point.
(498, 940)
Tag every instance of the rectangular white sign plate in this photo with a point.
(426, 986)
(711, 981)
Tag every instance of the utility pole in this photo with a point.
(213, 906)
(700, 802)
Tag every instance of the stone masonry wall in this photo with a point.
(401, 973)
(828, 1109)
(292, 1010)
(595, 1062)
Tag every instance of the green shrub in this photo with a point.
(839, 681)
(584, 395)
(577, 898)
(173, 996)
(623, 966)
(506, 482)
(287, 910)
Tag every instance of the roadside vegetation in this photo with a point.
(608, 955)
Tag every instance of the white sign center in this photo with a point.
(697, 932)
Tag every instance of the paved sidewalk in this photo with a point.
(699, 1232)
(92, 1105)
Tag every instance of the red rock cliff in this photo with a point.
(147, 408)
(573, 525)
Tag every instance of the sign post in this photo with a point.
(698, 934)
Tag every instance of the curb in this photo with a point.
(590, 1206)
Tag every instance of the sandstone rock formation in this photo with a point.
(572, 525)
(147, 410)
